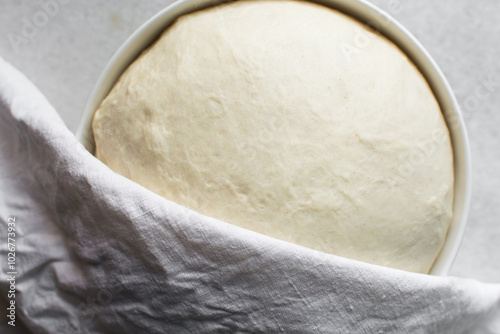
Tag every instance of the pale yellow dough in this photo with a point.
(292, 120)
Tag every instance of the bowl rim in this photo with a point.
(364, 12)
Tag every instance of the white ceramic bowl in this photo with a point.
(365, 13)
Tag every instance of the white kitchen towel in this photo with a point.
(97, 253)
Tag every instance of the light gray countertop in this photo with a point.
(66, 54)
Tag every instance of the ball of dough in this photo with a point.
(289, 119)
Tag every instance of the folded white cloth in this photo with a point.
(97, 253)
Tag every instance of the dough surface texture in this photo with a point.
(292, 120)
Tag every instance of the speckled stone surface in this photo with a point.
(75, 39)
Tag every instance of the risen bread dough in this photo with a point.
(292, 120)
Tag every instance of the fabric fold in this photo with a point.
(97, 253)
